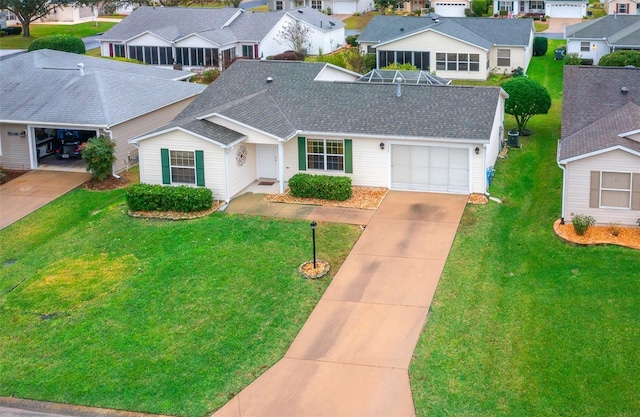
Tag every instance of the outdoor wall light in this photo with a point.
(477, 151)
(382, 145)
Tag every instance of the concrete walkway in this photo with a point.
(351, 357)
(30, 191)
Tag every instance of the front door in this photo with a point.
(267, 161)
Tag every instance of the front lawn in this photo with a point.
(80, 30)
(101, 309)
(522, 324)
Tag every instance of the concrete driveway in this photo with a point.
(351, 357)
(557, 25)
(33, 190)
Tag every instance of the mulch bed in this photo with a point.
(11, 174)
(361, 197)
(174, 215)
(599, 235)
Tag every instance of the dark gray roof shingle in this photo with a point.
(46, 86)
(293, 102)
(483, 32)
(619, 30)
(595, 111)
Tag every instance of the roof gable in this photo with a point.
(617, 29)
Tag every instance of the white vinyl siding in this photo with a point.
(577, 186)
(151, 164)
(241, 176)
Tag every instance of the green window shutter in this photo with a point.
(200, 168)
(302, 153)
(635, 192)
(166, 168)
(348, 156)
(594, 189)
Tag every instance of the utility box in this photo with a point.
(513, 139)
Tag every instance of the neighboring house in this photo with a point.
(450, 8)
(595, 38)
(3, 20)
(273, 119)
(452, 47)
(599, 152)
(49, 96)
(575, 9)
(330, 6)
(214, 37)
(621, 7)
(67, 14)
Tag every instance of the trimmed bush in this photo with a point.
(99, 153)
(325, 187)
(582, 223)
(289, 56)
(65, 43)
(352, 40)
(12, 30)
(621, 59)
(540, 46)
(146, 197)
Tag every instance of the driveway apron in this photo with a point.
(351, 357)
(30, 191)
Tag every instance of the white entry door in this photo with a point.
(267, 161)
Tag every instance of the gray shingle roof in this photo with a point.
(47, 87)
(620, 30)
(174, 23)
(595, 111)
(293, 102)
(484, 32)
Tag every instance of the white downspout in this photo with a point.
(564, 181)
(281, 166)
(227, 186)
(113, 167)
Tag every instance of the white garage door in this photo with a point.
(450, 9)
(565, 10)
(430, 168)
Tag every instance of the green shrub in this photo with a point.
(582, 223)
(99, 153)
(12, 30)
(572, 59)
(146, 197)
(210, 75)
(66, 43)
(369, 62)
(352, 40)
(479, 7)
(540, 46)
(320, 186)
(621, 59)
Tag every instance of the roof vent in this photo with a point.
(624, 90)
(81, 68)
(332, 24)
(401, 29)
(300, 11)
(269, 79)
(399, 82)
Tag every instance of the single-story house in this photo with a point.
(53, 98)
(599, 152)
(621, 7)
(273, 119)
(575, 9)
(214, 37)
(329, 6)
(595, 38)
(455, 48)
(450, 8)
(70, 13)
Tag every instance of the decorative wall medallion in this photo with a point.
(241, 155)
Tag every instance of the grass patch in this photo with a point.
(359, 22)
(531, 326)
(80, 30)
(101, 309)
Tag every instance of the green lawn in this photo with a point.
(37, 31)
(522, 324)
(359, 22)
(101, 309)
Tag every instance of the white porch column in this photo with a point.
(281, 166)
(227, 197)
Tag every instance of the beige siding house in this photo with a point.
(599, 152)
(256, 123)
(621, 7)
(55, 101)
(453, 48)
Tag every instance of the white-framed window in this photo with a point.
(183, 167)
(316, 4)
(615, 189)
(504, 57)
(419, 59)
(248, 51)
(457, 62)
(505, 5)
(536, 5)
(119, 50)
(623, 8)
(400, 5)
(585, 46)
(279, 5)
(325, 154)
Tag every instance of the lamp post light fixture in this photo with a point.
(313, 238)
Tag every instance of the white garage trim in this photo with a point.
(450, 9)
(430, 168)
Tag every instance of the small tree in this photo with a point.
(99, 153)
(383, 5)
(540, 45)
(478, 7)
(294, 35)
(526, 99)
(621, 59)
(66, 43)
